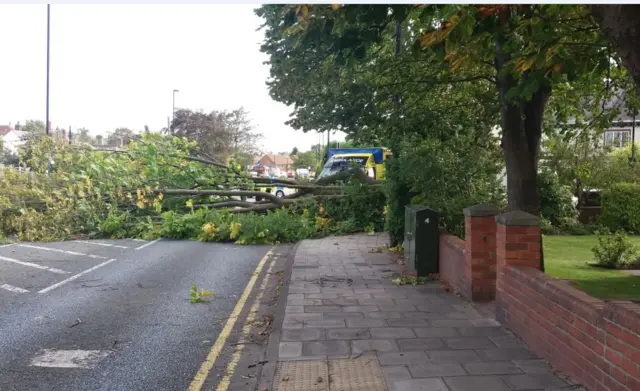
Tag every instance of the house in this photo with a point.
(625, 127)
(12, 137)
(280, 161)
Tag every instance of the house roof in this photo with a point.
(279, 160)
(4, 129)
(617, 101)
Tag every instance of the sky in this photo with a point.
(117, 66)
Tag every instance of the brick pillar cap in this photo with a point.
(518, 218)
(482, 210)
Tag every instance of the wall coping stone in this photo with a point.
(518, 218)
(481, 210)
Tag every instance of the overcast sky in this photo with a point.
(116, 66)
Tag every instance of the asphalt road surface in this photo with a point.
(115, 315)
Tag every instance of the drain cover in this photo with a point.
(362, 374)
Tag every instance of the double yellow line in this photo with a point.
(216, 349)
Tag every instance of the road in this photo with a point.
(115, 315)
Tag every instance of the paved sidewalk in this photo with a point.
(343, 311)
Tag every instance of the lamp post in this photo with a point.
(47, 130)
(173, 111)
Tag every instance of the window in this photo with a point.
(617, 138)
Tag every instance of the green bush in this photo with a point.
(614, 251)
(446, 176)
(621, 207)
(556, 203)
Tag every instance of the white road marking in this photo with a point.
(148, 244)
(52, 358)
(54, 286)
(12, 288)
(6, 245)
(35, 265)
(62, 251)
(100, 244)
(138, 240)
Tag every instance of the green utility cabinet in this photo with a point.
(421, 240)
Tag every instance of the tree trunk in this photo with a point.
(620, 24)
(521, 122)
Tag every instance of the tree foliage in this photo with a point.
(220, 134)
(517, 53)
(158, 186)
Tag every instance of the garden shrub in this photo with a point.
(621, 207)
(614, 250)
(556, 203)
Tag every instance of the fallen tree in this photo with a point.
(156, 181)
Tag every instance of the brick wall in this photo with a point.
(469, 265)
(596, 342)
(452, 264)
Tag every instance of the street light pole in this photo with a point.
(173, 111)
(48, 131)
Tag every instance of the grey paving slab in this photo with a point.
(407, 322)
(325, 348)
(435, 332)
(373, 345)
(303, 335)
(492, 368)
(420, 344)
(342, 303)
(436, 369)
(420, 385)
(290, 349)
(459, 356)
(469, 343)
(476, 383)
(392, 332)
(367, 322)
(348, 334)
(383, 315)
(533, 366)
(342, 315)
(534, 381)
(506, 354)
(393, 375)
(401, 358)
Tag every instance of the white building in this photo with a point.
(12, 138)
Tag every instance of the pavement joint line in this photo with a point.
(100, 244)
(148, 244)
(224, 384)
(202, 374)
(12, 288)
(34, 265)
(61, 251)
(82, 273)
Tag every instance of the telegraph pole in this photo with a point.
(47, 128)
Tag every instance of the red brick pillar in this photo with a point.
(517, 244)
(480, 252)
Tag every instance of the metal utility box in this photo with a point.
(421, 240)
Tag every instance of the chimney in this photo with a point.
(99, 139)
(119, 142)
(17, 127)
(64, 134)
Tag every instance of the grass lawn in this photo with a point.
(566, 256)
